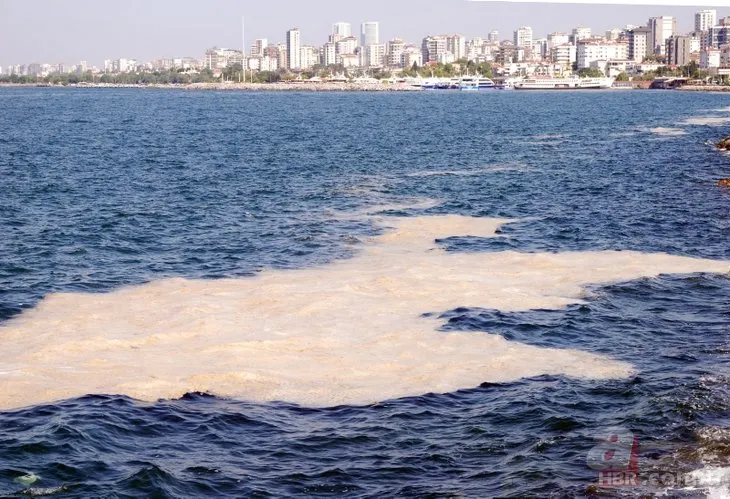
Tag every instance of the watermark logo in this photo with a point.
(616, 458)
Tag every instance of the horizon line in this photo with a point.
(637, 3)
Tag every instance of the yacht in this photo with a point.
(475, 83)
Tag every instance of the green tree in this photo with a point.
(590, 73)
(622, 77)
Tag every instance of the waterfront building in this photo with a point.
(329, 54)
(580, 33)
(523, 37)
(725, 56)
(539, 49)
(456, 45)
(394, 50)
(282, 58)
(509, 53)
(346, 45)
(682, 49)
(308, 57)
(369, 33)
(264, 63)
(705, 19)
(372, 56)
(718, 36)
(216, 59)
(640, 44)
(349, 60)
(293, 49)
(710, 58)
(556, 39)
(661, 28)
(412, 55)
(564, 55)
(433, 48)
(259, 47)
(591, 50)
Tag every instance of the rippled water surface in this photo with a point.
(103, 189)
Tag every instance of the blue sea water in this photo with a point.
(105, 188)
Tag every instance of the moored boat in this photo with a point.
(572, 83)
(475, 83)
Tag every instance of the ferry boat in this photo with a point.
(572, 83)
(475, 83)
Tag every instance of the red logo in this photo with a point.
(616, 458)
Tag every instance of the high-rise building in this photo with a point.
(556, 39)
(718, 36)
(372, 56)
(456, 44)
(281, 55)
(540, 48)
(580, 33)
(705, 19)
(259, 46)
(564, 55)
(412, 56)
(523, 37)
(710, 58)
(494, 36)
(293, 49)
(614, 35)
(640, 43)
(308, 57)
(341, 30)
(682, 49)
(394, 53)
(346, 46)
(592, 50)
(329, 54)
(433, 48)
(661, 29)
(369, 33)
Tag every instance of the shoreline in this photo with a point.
(248, 87)
(298, 87)
(707, 88)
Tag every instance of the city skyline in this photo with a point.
(129, 34)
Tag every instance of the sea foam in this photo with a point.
(350, 332)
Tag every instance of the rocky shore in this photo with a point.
(303, 86)
(704, 88)
(724, 145)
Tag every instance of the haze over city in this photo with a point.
(86, 30)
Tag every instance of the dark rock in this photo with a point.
(724, 144)
(724, 182)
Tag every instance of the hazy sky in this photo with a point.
(70, 31)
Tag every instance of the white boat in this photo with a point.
(475, 83)
(509, 83)
(572, 83)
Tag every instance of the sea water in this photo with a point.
(212, 293)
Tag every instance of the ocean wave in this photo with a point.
(706, 120)
(668, 132)
(477, 171)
